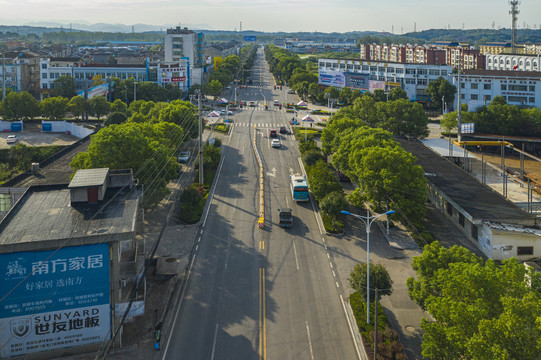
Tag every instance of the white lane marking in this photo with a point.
(227, 254)
(309, 341)
(197, 247)
(329, 256)
(333, 274)
(296, 259)
(287, 201)
(242, 151)
(350, 327)
(214, 343)
(199, 240)
(337, 284)
(201, 232)
(179, 304)
(325, 247)
(330, 263)
(323, 239)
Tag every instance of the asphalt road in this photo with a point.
(255, 293)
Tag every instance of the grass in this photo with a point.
(333, 227)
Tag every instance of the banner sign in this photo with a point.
(250, 38)
(332, 78)
(468, 128)
(357, 81)
(100, 90)
(54, 299)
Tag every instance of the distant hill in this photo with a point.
(477, 36)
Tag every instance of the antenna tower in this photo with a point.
(514, 12)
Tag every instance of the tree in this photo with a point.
(333, 203)
(214, 88)
(332, 92)
(64, 86)
(397, 93)
(19, 106)
(54, 108)
(119, 106)
(314, 91)
(115, 118)
(402, 117)
(449, 121)
(440, 89)
(77, 105)
(345, 96)
(99, 106)
(379, 279)
(322, 180)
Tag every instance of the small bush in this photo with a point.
(307, 145)
(312, 156)
(332, 226)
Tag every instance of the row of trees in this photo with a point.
(147, 142)
(479, 310)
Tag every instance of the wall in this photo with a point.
(64, 126)
(505, 243)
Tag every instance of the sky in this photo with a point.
(278, 15)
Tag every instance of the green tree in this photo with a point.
(449, 121)
(345, 96)
(314, 91)
(332, 92)
(115, 118)
(119, 106)
(182, 113)
(214, 88)
(333, 203)
(402, 117)
(379, 279)
(54, 108)
(64, 86)
(397, 93)
(438, 90)
(322, 180)
(77, 105)
(99, 106)
(19, 106)
(310, 157)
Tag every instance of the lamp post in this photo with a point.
(135, 91)
(367, 220)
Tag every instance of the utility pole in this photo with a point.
(4, 75)
(200, 139)
(459, 110)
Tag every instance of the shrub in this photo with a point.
(307, 145)
(115, 118)
(333, 203)
(191, 195)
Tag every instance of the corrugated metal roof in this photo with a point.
(89, 177)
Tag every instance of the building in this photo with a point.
(70, 258)
(314, 47)
(496, 226)
(532, 49)
(22, 71)
(496, 48)
(371, 75)
(183, 43)
(517, 62)
(52, 69)
(479, 87)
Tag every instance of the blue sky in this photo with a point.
(278, 15)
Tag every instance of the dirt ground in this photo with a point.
(32, 136)
(532, 168)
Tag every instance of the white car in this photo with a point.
(276, 143)
(12, 139)
(184, 157)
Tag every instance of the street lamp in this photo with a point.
(134, 91)
(367, 220)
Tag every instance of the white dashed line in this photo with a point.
(333, 274)
(328, 256)
(330, 263)
(338, 286)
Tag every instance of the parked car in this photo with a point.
(276, 143)
(184, 157)
(291, 91)
(12, 139)
(273, 133)
(276, 103)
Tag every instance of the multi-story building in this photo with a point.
(517, 62)
(532, 49)
(496, 48)
(52, 69)
(410, 54)
(313, 47)
(12, 76)
(70, 258)
(22, 71)
(183, 43)
(479, 87)
(371, 75)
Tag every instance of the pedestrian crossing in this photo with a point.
(260, 125)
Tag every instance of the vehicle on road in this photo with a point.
(184, 157)
(252, 103)
(291, 91)
(273, 133)
(12, 139)
(283, 130)
(299, 188)
(276, 103)
(285, 218)
(276, 143)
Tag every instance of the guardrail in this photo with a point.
(261, 221)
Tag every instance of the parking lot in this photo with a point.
(32, 136)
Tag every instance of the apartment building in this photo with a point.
(516, 62)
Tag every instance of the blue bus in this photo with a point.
(299, 188)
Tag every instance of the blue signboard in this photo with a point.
(249, 38)
(54, 299)
(357, 81)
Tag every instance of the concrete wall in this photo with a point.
(505, 245)
(64, 126)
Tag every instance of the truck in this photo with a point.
(285, 218)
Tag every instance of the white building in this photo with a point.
(53, 68)
(370, 75)
(479, 87)
(517, 62)
(183, 43)
(12, 76)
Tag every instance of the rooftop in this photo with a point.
(478, 200)
(89, 177)
(44, 215)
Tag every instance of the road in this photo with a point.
(259, 293)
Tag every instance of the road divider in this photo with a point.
(261, 221)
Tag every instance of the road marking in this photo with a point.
(329, 256)
(333, 274)
(350, 327)
(287, 201)
(199, 239)
(330, 263)
(338, 286)
(323, 239)
(261, 245)
(201, 232)
(262, 316)
(309, 341)
(197, 247)
(214, 343)
(325, 247)
(296, 259)
(227, 254)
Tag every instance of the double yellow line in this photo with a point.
(262, 316)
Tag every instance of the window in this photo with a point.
(504, 87)
(410, 71)
(365, 68)
(390, 70)
(357, 67)
(531, 100)
(475, 232)
(421, 71)
(5, 202)
(434, 72)
(461, 219)
(524, 250)
(449, 208)
(410, 81)
(474, 86)
(462, 85)
(532, 88)
(350, 67)
(373, 68)
(462, 97)
(487, 86)
(421, 82)
(44, 66)
(342, 66)
(474, 97)
(399, 70)
(44, 76)
(44, 86)
(518, 88)
(488, 97)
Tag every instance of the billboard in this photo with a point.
(357, 81)
(54, 299)
(174, 74)
(374, 84)
(100, 90)
(332, 78)
(249, 38)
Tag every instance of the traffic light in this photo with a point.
(274, 87)
(280, 88)
(240, 86)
